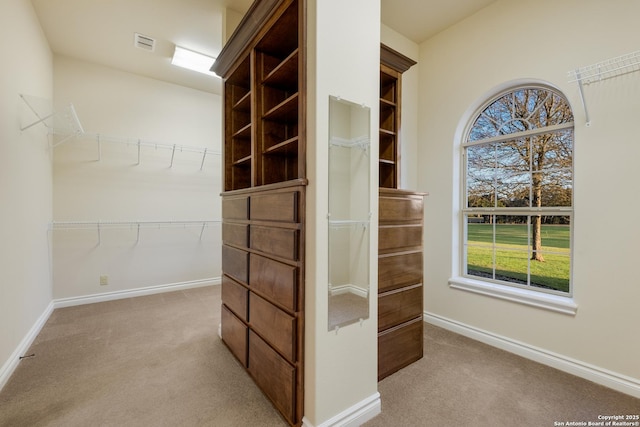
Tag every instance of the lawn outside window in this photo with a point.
(517, 212)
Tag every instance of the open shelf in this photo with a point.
(280, 76)
(285, 111)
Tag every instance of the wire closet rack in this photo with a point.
(65, 124)
(607, 69)
(100, 226)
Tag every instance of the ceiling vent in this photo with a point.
(144, 42)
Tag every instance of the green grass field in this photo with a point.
(512, 255)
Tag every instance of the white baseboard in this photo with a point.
(130, 293)
(348, 289)
(354, 416)
(613, 380)
(12, 363)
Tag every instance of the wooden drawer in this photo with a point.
(235, 234)
(282, 242)
(235, 297)
(235, 263)
(235, 207)
(274, 325)
(275, 207)
(276, 281)
(401, 209)
(399, 347)
(399, 306)
(398, 237)
(397, 271)
(235, 335)
(274, 375)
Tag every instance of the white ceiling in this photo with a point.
(102, 31)
(419, 20)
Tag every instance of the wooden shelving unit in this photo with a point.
(399, 233)
(390, 89)
(263, 106)
(263, 218)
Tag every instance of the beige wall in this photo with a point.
(116, 188)
(543, 40)
(25, 181)
(343, 60)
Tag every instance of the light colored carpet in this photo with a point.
(157, 361)
(146, 361)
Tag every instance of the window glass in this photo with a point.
(518, 186)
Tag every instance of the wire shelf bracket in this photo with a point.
(64, 122)
(607, 69)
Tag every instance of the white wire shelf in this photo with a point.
(347, 223)
(139, 143)
(607, 69)
(361, 142)
(64, 122)
(66, 125)
(100, 226)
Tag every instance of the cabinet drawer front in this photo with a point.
(273, 375)
(400, 209)
(281, 242)
(400, 306)
(275, 207)
(235, 234)
(235, 297)
(399, 347)
(397, 271)
(398, 237)
(235, 263)
(276, 281)
(276, 326)
(235, 208)
(234, 334)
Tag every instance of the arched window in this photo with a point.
(518, 191)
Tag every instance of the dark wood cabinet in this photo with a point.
(263, 289)
(400, 272)
(400, 213)
(263, 202)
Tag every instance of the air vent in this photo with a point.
(144, 42)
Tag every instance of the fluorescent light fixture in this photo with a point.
(193, 60)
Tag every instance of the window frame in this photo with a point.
(555, 300)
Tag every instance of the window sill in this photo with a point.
(559, 304)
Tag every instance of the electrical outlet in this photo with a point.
(104, 280)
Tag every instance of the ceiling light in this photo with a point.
(193, 60)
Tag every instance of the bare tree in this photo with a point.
(527, 157)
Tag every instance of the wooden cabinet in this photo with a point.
(263, 202)
(263, 289)
(400, 297)
(400, 303)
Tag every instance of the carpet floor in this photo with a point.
(157, 361)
